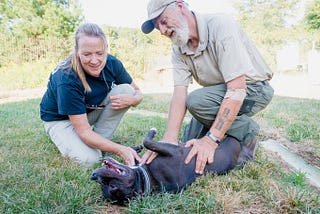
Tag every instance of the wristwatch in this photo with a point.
(214, 138)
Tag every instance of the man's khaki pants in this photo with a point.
(204, 105)
(104, 122)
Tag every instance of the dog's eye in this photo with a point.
(112, 187)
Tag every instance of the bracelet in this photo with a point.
(214, 138)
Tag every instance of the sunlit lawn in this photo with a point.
(36, 179)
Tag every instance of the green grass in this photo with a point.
(297, 118)
(36, 179)
(26, 75)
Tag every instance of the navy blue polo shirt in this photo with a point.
(65, 93)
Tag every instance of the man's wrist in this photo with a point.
(213, 137)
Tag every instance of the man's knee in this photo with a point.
(193, 101)
(203, 99)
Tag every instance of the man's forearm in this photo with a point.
(176, 114)
(226, 115)
(230, 106)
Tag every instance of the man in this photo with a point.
(213, 50)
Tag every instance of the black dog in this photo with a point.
(167, 172)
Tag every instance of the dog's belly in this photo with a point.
(171, 173)
(175, 175)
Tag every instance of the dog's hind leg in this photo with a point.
(166, 149)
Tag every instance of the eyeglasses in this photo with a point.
(94, 107)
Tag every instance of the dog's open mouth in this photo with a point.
(114, 166)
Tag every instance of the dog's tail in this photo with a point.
(151, 133)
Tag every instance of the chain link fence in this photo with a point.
(28, 49)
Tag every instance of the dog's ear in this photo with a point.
(166, 149)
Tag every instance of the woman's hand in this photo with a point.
(122, 101)
(128, 154)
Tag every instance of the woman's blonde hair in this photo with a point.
(88, 29)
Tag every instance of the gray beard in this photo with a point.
(182, 36)
(179, 41)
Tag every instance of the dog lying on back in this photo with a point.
(167, 172)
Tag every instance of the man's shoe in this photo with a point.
(247, 152)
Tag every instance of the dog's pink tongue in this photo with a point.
(111, 167)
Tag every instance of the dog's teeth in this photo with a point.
(120, 172)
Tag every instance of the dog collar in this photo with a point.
(147, 185)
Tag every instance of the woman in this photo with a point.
(86, 97)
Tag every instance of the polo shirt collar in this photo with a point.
(203, 35)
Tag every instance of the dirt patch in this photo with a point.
(299, 149)
(7, 96)
(111, 208)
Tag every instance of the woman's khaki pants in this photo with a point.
(104, 122)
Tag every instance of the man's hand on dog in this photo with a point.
(204, 149)
(149, 155)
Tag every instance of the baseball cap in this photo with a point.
(155, 8)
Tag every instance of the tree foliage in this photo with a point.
(312, 21)
(265, 20)
(313, 15)
(136, 50)
(40, 17)
(312, 18)
(267, 23)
